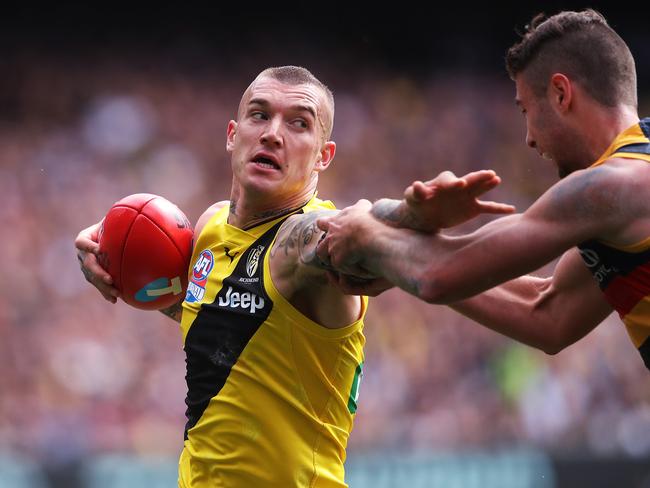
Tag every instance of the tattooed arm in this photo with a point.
(483, 275)
(441, 268)
(174, 312)
(301, 277)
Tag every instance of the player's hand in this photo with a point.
(87, 244)
(352, 285)
(448, 200)
(340, 248)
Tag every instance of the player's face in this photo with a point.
(547, 131)
(277, 145)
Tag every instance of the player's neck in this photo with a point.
(246, 212)
(606, 124)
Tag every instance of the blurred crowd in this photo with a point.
(83, 377)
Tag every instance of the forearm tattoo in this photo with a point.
(174, 312)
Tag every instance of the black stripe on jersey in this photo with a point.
(645, 352)
(223, 328)
(639, 148)
(605, 262)
(645, 126)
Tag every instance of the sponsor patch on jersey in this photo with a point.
(253, 260)
(200, 272)
(250, 302)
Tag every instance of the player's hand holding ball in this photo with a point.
(139, 252)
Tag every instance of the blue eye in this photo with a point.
(258, 115)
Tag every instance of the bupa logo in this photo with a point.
(253, 260)
(200, 272)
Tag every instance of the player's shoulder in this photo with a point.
(617, 176)
(300, 222)
(208, 214)
(605, 191)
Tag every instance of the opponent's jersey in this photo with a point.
(623, 272)
(271, 394)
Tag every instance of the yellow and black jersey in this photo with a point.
(271, 394)
(623, 272)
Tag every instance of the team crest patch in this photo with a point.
(200, 272)
(253, 260)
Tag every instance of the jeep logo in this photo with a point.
(245, 300)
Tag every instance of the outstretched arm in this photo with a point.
(546, 313)
(444, 269)
(442, 202)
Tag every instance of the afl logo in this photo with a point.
(203, 266)
(200, 272)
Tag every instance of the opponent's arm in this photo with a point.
(443, 269)
(546, 313)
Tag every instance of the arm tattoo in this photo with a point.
(302, 235)
(174, 312)
(307, 240)
(286, 239)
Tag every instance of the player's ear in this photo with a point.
(230, 139)
(326, 156)
(561, 91)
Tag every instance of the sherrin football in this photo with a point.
(145, 244)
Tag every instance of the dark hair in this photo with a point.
(582, 46)
(297, 75)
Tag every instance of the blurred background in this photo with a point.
(98, 102)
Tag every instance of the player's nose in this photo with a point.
(530, 140)
(272, 133)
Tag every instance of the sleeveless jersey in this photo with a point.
(271, 394)
(623, 272)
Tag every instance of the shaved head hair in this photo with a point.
(297, 75)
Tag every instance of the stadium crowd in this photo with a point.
(82, 377)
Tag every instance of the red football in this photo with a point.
(145, 244)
